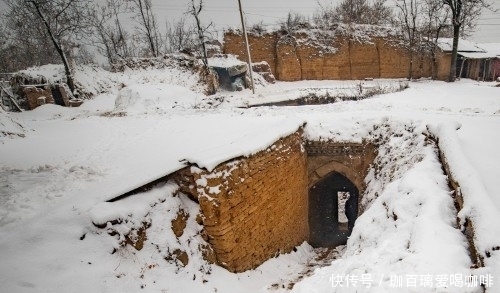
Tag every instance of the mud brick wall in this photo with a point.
(253, 208)
(262, 47)
(298, 58)
(443, 65)
(288, 66)
(393, 60)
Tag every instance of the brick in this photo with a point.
(273, 197)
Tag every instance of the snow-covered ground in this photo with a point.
(54, 183)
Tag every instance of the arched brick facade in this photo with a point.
(255, 207)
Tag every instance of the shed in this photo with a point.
(494, 50)
(473, 60)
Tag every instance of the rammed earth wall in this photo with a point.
(303, 56)
(255, 207)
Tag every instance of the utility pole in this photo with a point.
(248, 47)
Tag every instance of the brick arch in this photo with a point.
(334, 166)
(352, 160)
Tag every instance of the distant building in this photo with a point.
(493, 49)
(474, 61)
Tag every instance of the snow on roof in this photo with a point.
(89, 79)
(492, 48)
(446, 44)
(478, 55)
(224, 61)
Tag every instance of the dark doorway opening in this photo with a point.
(56, 94)
(462, 70)
(333, 209)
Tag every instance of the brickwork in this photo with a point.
(349, 159)
(253, 208)
(298, 58)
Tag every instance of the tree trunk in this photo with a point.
(69, 77)
(410, 70)
(147, 26)
(453, 68)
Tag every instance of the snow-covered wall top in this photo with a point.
(359, 32)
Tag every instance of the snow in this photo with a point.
(146, 98)
(90, 79)
(224, 61)
(493, 48)
(479, 205)
(58, 177)
(393, 236)
(446, 44)
(9, 126)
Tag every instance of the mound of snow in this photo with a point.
(89, 80)
(148, 98)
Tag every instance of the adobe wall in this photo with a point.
(262, 47)
(443, 61)
(253, 208)
(299, 58)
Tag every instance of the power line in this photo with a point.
(256, 14)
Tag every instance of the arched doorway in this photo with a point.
(333, 208)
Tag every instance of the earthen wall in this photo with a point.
(296, 57)
(256, 207)
(262, 47)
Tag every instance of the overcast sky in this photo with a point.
(225, 13)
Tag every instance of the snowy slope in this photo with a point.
(56, 179)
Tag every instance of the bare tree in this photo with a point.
(408, 18)
(195, 10)
(293, 22)
(147, 24)
(462, 12)
(361, 12)
(179, 36)
(26, 39)
(435, 25)
(66, 22)
(111, 39)
(379, 13)
(352, 11)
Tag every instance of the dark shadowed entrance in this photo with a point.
(333, 208)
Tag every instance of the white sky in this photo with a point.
(224, 13)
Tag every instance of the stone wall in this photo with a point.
(36, 97)
(255, 207)
(297, 57)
